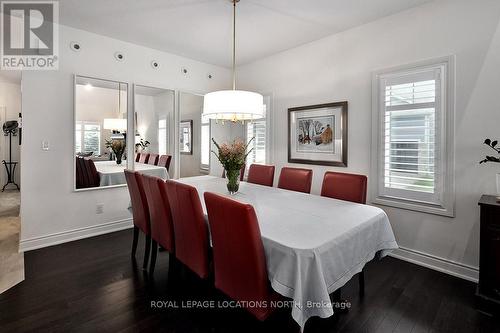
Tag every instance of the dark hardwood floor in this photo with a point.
(92, 285)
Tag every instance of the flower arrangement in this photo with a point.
(492, 145)
(232, 157)
(118, 148)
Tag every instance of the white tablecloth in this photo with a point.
(313, 245)
(112, 174)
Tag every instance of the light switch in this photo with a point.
(45, 145)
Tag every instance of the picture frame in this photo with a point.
(186, 137)
(317, 134)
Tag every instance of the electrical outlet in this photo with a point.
(45, 145)
(99, 208)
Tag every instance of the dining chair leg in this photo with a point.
(134, 242)
(154, 251)
(147, 249)
(362, 283)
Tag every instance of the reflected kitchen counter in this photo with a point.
(111, 173)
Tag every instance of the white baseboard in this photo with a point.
(72, 235)
(462, 271)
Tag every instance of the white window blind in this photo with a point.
(257, 129)
(162, 136)
(88, 137)
(411, 111)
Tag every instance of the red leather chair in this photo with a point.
(348, 187)
(295, 179)
(137, 156)
(144, 158)
(261, 174)
(160, 217)
(242, 172)
(190, 228)
(239, 258)
(164, 161)
(344, 186)
(140, 212)
(92, 174)
(153, 159)
(79, 180)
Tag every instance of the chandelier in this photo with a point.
(233, 105)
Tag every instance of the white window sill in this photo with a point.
(415, 206)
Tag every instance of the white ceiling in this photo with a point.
(201, 29)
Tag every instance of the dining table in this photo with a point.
(313, 244)
(111, 173)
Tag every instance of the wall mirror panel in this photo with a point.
(100, 133)
(154, 131)
(194, 136)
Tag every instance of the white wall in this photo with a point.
(10, 100)
(190, 108)
(339, 68)
(51, 211)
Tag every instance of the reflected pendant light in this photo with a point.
(233, 105)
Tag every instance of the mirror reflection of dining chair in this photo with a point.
(92, 174)
(144, 158)
(164, 161)
(153, 159)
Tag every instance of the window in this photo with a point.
(205, 144)
(162, 136)
(88, 137)
(258, 129)
(414, 137)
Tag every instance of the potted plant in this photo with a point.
(117, 146)
(495, 159)
(232, 157)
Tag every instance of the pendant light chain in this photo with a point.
(234, 44)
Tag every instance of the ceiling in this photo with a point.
(201, 29)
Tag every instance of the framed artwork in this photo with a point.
(186, 137)
(317, 134)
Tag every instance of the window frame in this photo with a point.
(267, 118)
(444, 202)
(81, 124)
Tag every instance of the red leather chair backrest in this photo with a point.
(164, 161)
(94, 178)
(242, 172)
(345, 186)
(144, 158)
(139, 202)
(153, 159)
(238, 252)
(78, 173)
(85, 176)
(295, 179)
(159, 211)
(137, 156)
(261, 174)
(190, 228)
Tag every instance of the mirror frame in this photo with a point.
(73, 126)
